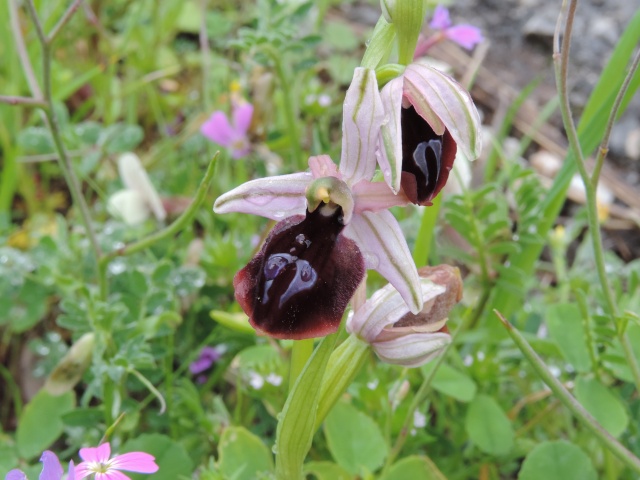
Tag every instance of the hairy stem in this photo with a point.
(569, 401)
(561, 61)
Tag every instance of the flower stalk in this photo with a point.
(561, 64)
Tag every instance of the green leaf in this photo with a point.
(297, 424)
(380, 45)
(238, 322)
(488, 426)
(602, 404)
(243, 455)
(354, 439)
(566, 327)
(171, 457)
(326, 471)
(557, 460)
(451, 382)
(121, 138)
(41, 422)
(414, 467)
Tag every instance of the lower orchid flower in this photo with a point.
(401, 337)
(336, 225)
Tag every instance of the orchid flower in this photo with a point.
(467, 36)
(139, 197)
(96, 461)
(51, 469)
(230, 135)
(397, 335)
(301, 281)
(430, 117)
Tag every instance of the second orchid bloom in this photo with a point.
(334, 221)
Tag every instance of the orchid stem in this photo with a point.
(424, 240)
(568, 400)
(300, 354)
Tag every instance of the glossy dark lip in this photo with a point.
(300, 282)
(427, 158)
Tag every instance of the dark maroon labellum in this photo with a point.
(427, 158)
(299, 284)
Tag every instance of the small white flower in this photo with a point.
(419, 419)
(373, 384)
(256, 380)
(274, 379)
(139, 197)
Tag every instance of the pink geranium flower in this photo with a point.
(467, 36)
(232, 135)
(96, 461)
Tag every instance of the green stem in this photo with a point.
(289, 109)
(344, 364)
(569, 401)
(52, 122)
(175, 227)
(418, 399)
(300, 353)
(561, 60)
(422, 248)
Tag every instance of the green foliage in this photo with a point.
(557, 460)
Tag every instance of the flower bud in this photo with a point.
(70, 369)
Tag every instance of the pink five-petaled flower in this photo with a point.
(397, 335)
(230, 135)
(96, 461)
(467, 36)
(430, 117)
(51, 469)
(301, 281)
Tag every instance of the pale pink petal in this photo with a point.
(431, 91)
(389, 150)
(363, 115)
(135, 177)
(218, 130)
(440, 19)
(272, 197)
(385, 308)
(466, 36)
(112, 475)
(376, 196)
(242, 116)
(140, 462)
(82, 470)
(323, 166)
(413, 349)
(51, 468)
(99, 454)
(385, 249)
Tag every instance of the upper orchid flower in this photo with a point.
(430, 117)
(231, 135)
(397, 335)
(300, 282)
(467, 36)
